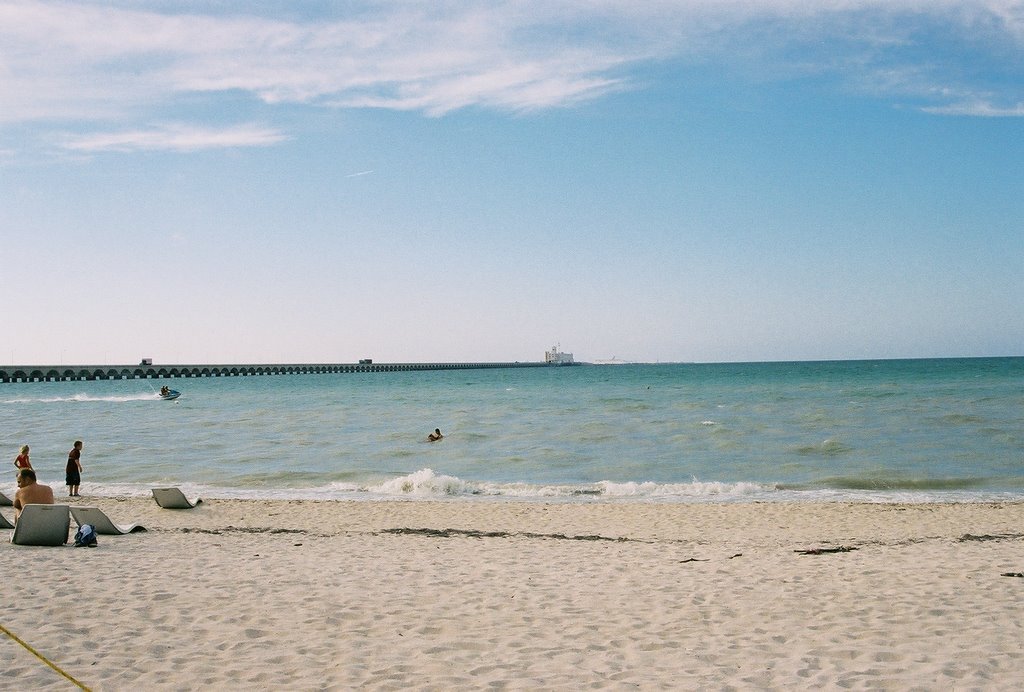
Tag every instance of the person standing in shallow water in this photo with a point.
(22, 461)
(73, 472)
(435, 436)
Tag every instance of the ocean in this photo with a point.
(884, 431)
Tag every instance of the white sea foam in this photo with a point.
(694, 489)
(83, 397)
(426, 484)
(423, 483)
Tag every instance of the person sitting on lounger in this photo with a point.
(30, 492)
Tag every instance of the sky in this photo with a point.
(411, 181)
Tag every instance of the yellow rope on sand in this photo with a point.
(42, 658)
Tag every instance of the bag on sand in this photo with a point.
(86, 536)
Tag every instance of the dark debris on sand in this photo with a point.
(452, 533)
(825, 551)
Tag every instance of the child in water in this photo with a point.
(22, 461)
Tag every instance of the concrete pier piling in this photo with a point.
(148, 370)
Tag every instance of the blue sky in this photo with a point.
(418, 181)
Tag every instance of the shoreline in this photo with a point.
(433, 594)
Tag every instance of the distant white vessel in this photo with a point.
(556, 357)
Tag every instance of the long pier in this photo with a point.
(62, 373)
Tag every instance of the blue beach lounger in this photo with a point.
(173, 498)
(101, 522)
(5, 501)
(42, 525)
(5, 523)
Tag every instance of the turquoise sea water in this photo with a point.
(950, 429)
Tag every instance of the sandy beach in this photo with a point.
(241, 594)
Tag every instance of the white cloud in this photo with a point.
(981, 109)
(74, 60)
(177, 137)
(80, 61)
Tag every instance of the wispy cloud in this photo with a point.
(980, 109)
(180, 138)
(121, 62)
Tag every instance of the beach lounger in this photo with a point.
(101, 522)
(42, 525)
(5, 523)
(173, 498)
(5, 501)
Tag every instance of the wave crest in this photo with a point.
(427, 483)
(423, 483)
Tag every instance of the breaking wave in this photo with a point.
(426, 484)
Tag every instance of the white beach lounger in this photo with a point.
(173, 498)
(101, 522)
(42, 525)
(5, 523)
(5, 501)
